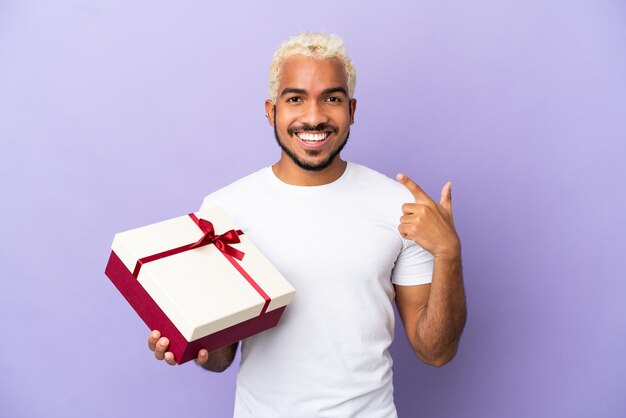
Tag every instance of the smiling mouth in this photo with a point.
(312, 136)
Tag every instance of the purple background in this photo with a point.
(118, 114)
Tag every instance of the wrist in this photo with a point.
(451, 253)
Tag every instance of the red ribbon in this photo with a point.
(221, 242)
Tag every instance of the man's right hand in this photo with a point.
(160, 344)
(220, 358)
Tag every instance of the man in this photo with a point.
(331, 227)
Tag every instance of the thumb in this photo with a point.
(203, 356)
(446, 196)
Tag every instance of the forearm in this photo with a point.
(219, 360)
(439, 328)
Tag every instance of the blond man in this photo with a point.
(350, 240)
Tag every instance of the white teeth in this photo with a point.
(307, 136)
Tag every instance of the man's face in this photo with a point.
(313, 113)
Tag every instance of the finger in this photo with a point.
(153, 338)
(203, 356)
(446, 196)
(405, 230)
(169, 358)
(409, 208)
(161, 348)
(410, 219)
(418, 194)
(415, 209)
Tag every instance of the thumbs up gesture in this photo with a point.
(429, 223)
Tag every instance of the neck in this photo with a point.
(289, 172)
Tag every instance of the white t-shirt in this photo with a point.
(339, 246)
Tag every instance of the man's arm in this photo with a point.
(215, 361)
(433, 315)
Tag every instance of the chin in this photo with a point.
(318, 164)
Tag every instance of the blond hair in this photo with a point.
(312, 44)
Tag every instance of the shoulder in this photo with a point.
(378, 184)
(238, 191)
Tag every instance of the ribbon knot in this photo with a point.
(220, 241)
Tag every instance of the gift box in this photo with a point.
(198, 280)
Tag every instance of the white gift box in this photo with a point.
(204, 296)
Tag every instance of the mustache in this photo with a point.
(308, 128)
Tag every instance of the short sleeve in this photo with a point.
(414, 265)
(206, 203)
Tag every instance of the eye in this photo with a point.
(333, 99)
(294, 99)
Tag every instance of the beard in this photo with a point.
(311, 153)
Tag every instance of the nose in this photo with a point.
(313, 114)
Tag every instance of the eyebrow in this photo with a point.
(291, 90)
(335, 90)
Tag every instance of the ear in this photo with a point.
(269, 111)
(352, 110)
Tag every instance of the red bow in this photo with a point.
(220, 241)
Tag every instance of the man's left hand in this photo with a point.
(427, 223)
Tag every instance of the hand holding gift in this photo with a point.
(160, 344)
(216, 361)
